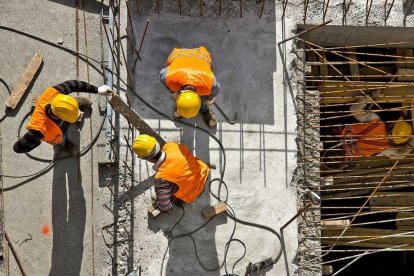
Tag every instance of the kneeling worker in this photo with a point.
(192, 83)
(55, 110)
(180, 177)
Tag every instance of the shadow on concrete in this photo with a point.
(68, 217)
(92, 6)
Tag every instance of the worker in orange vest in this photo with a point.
(192, 83)
(180, 177)
(55, 110)
(372, 137)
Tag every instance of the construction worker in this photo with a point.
(192, 83)
(372, 137)
(55, 110)
(180, 177)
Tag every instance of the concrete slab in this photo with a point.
(259, 165)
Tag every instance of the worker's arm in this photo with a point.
(29, 141)
(70, 86)
(357, 110)
(165, 191)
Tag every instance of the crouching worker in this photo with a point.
(192, 83)
(54, 111)
(180, 177)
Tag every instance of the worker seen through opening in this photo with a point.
(54, 111)
(192, 83)
(180, 177)
(374, 137)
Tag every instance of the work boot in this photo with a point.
(84, 103)
(210, 119)
(176, 115)
(71, 148)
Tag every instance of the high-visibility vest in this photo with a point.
(39, 121)
(185, 170)
(190, 67)
(365, 139)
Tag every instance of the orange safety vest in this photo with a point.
(365, 139)
(190, 67)
(39, 121)
(185, 170)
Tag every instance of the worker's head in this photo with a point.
(188, 103)
(65, 108)
(401, 132)
(146, 147)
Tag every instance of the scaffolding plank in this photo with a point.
(385, 199)
(368, 237)
(24, 82)
(407, 219)
(133, 118)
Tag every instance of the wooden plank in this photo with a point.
(372, 237)
(407, 72)
(354, 67)
(153, 210)
(24, 82)
(132, 117)
(407, 219)
(327, 270)
(211, 211)
(335, 223)
(323, 69)
(385, 199)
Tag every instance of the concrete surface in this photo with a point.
(259, 164)
(61, 199)
(261, 173)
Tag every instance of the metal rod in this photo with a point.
(363, 205)
(129, 14)
(305, 32)
(201, 7)
(140, 46)
(179, 6)
(261, 9)
(345, 9)
(158, 5)
(368, 9)
(389, 11)
(13, 250)
(325, 10)
(301, 210)
(320, 56)
(241, 8)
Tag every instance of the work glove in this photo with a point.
(104, 90)
(208, 102)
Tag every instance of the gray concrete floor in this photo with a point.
(65, 197)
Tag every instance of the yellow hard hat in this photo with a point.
(401, 132)
(145, 145)
(66, 108)
(188, 103)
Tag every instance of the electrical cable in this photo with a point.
(9, 91)
(230, 213)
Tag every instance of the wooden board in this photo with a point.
(132, 117)
(375, 236)
(407, 219)
(354, 67)
(408, 74)
(385, 199)
(211, 211)
(24, 82)
(341, 223)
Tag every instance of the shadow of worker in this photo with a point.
(183, 260)
(68, 216)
